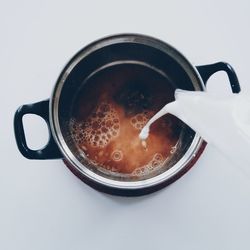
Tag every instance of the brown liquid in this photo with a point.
(109, 113)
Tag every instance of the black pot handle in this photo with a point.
(207, 70)
(50, 151)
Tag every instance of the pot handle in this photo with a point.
(51, 150)
(207, 70)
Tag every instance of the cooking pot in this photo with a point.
(107, 52)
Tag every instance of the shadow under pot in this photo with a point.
(101, 101)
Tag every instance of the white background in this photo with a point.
(45, 207)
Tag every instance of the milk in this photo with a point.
(223, 121)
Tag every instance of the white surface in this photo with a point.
(44, 206)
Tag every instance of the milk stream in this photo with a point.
(222, 121)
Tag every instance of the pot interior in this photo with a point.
(144, 78)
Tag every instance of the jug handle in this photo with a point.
(51, 150)
(208, 70)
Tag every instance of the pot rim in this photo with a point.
(193, 74)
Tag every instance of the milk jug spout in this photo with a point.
(223, 121)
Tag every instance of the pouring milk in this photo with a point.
(222, 121)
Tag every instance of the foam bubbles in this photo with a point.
(139, 121)
(98, 129)
(156, 163)
(117, 155)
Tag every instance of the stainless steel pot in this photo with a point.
(118, 49)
